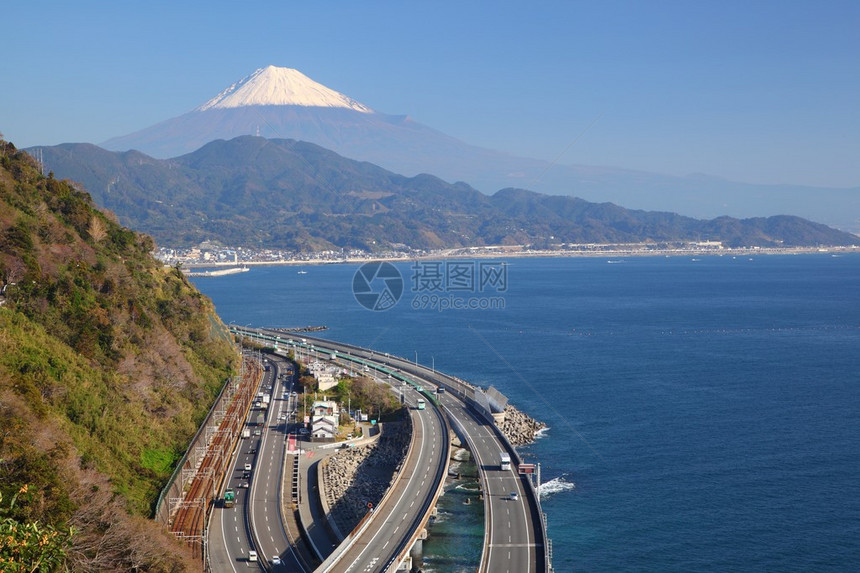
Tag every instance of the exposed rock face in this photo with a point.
(519, 428)
(357, 476)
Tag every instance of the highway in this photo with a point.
(513, 542)
(407, 502)
(514, 529)
(382, 541)
(255, 523)
(511, 535)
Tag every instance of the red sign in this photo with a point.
(526, 468)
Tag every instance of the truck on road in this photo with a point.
(229, 497)
(504, 461)
(246, 432)
(421, 404)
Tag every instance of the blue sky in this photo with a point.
(765, 92)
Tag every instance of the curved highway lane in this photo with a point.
(513, 538)
(514, 533)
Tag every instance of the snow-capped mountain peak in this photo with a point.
(280, 86)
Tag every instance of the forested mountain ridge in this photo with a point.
(286, 194)
(108, 364)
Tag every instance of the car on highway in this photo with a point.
(514, 496)
(247, 467)
(252, 555)
(276, 560)
(252, 451)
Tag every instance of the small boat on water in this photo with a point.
(302, 272)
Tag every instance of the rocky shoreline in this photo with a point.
(519, 428)
(354, 477)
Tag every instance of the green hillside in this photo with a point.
(108, 364)
(278, 193)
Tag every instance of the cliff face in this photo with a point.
(108, 362)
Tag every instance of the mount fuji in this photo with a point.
(283, 103)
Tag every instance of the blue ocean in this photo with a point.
(704, 412)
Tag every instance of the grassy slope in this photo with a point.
(108, 362)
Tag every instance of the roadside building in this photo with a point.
(325, 374)
(324, 420)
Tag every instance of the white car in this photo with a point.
(247, 467)
(514, 496)
(252, 555)
(276, 560)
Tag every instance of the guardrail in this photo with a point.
(464, 391)
(333, 559)
(429, 503)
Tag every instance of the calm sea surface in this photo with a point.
(704, 414)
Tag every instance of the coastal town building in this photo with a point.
(324, 420)
(325, 374)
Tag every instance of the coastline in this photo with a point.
(588, 251)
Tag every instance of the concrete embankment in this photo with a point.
(216, 273)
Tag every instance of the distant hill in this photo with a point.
(283, 103)
(108, 364)
(252, 191)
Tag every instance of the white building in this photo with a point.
(324, 420)
(325, 374)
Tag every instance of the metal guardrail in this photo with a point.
(440, 477)
(466, 393)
